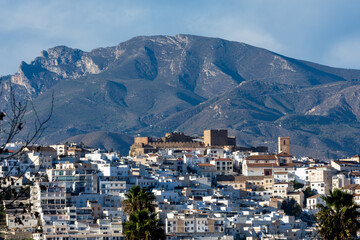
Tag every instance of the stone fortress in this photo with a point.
(178, 140)
(212, 139)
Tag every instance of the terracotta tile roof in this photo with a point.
(283, 154)
(315, 196)
(239, 178)
(249, 178)
(269, 165)
(206, 165)
(223, 159)
(261, 157)
(351, 186)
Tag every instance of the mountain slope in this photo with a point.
(151, 85)
(104, 140)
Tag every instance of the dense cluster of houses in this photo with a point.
(207, 190)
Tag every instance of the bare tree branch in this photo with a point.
(12, 125)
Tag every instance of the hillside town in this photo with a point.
(206, 187)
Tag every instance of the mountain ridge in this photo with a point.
(153, 84)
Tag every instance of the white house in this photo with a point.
(224, 166)
(312, 202)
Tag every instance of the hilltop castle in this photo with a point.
(178, 140)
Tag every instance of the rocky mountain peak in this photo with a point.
(156, 84)
(53, 65)
(60, 55)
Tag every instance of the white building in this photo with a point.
(282, 188)
(112, 187)
(61, 149)
(215, 153)
(49, 199)
(21, 221)
(301, 175)
(312, 202)
(162, 195)
(224, 166)
(320, 179)
(281, 176)
(41, 157)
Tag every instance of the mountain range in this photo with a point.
(150, 85)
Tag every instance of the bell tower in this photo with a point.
(284, 145)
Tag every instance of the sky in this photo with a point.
(321, 31)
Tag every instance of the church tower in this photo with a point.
(284, 145)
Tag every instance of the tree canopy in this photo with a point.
(338, 217)
(291, 207)
(138, 198)
(308, 192)
(142, 220)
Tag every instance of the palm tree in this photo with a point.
(138, 198)
(338, 218)
(142, 221)
(143, 225)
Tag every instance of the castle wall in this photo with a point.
(142, 140)
(176, 137)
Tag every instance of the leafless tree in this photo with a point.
(13, 122)
(21, 122)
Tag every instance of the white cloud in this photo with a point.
(27, 27)
(299, 29)
(253, 36)
(345, 53)
(235, 29)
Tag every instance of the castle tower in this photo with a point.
(216, 137)
(284, 145)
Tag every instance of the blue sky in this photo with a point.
(322, 31)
